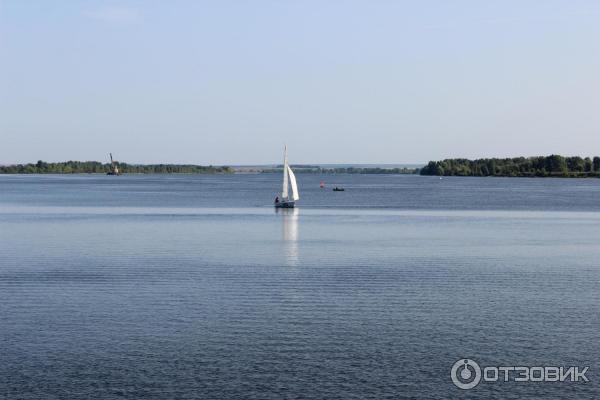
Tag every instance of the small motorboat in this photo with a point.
(289, 179)
(338, 189)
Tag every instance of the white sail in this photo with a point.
(284, 190)
(295, 194)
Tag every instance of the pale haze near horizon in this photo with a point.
(228, 82)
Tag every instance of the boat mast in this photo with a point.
(284, 190)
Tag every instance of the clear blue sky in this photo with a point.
(229, 82)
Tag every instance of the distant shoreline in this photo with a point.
(95, 167)
(344, 170)
(553, 166)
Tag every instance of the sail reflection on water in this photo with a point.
(289, 236)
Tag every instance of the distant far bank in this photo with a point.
(543, 166)
(332, 169)
(95, 167)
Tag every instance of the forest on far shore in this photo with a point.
(543, 166)
(95, 167)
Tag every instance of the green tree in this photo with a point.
(596, 163)
(556, 164)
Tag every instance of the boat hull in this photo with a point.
(285, 204)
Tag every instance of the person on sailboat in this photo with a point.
(276, 199)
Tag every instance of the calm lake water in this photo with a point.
(193, 287)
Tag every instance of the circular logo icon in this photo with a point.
(465, 374)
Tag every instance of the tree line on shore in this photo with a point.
(95, 167)
(543, 166)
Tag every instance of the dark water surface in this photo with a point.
(193, 287)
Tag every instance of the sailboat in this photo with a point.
(114, 169)
(289, 180)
